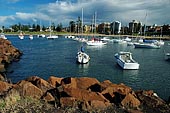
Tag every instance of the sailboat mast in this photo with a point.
(50, 28)
(95, 16)
(82, 21)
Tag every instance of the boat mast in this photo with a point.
(145, 24)
(50, 28)
(82, 21)
(95, 15)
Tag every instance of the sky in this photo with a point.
(63, 11)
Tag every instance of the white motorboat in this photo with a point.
(95, 42)
(125, 60)
(82, 57)
(147, 45)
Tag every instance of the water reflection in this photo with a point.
(83, 69)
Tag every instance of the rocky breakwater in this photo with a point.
(81, 94)
(8, 53)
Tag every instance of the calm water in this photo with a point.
(44, 58)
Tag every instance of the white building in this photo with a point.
(115, 27)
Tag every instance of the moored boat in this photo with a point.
(41, 35)
(167, 56)
(95, 42)
(52, 37)
(82, 57)
(125, 60)
(21, 36)
(3, 36)
(31, 37)
(147, 45)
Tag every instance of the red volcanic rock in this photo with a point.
(96, 104)
(68, 102)
(2, 68)
(115, 93)
(48, 97)
(55, 81)
(86, 82)
(69, 82)
(8, 53)
(4, 87)
(115, 88)
(148, 93)
(40, 83)
(81, 94)
(28, 89)
(81, 83)
(130, 101)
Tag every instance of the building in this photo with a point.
(115, 27)
(104, 28)
(135, 27)
(86, 28)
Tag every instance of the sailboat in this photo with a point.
(95, 41)
(82, 57)
(149, 44)
(51, 36)
(160, 42)
(31, 37)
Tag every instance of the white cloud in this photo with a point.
(107, 10)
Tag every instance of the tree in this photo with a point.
(59, 27)
(43, 28)
(72, 26)
(15, 27)
(52, 26)
(38, 27)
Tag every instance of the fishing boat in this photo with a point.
(125, 60)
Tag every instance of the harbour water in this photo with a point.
(44, 58)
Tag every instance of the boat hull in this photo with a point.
(52, 37)
(167, 56)
(146, 45)
(130, 64)
(95, 43)
(82, 58)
